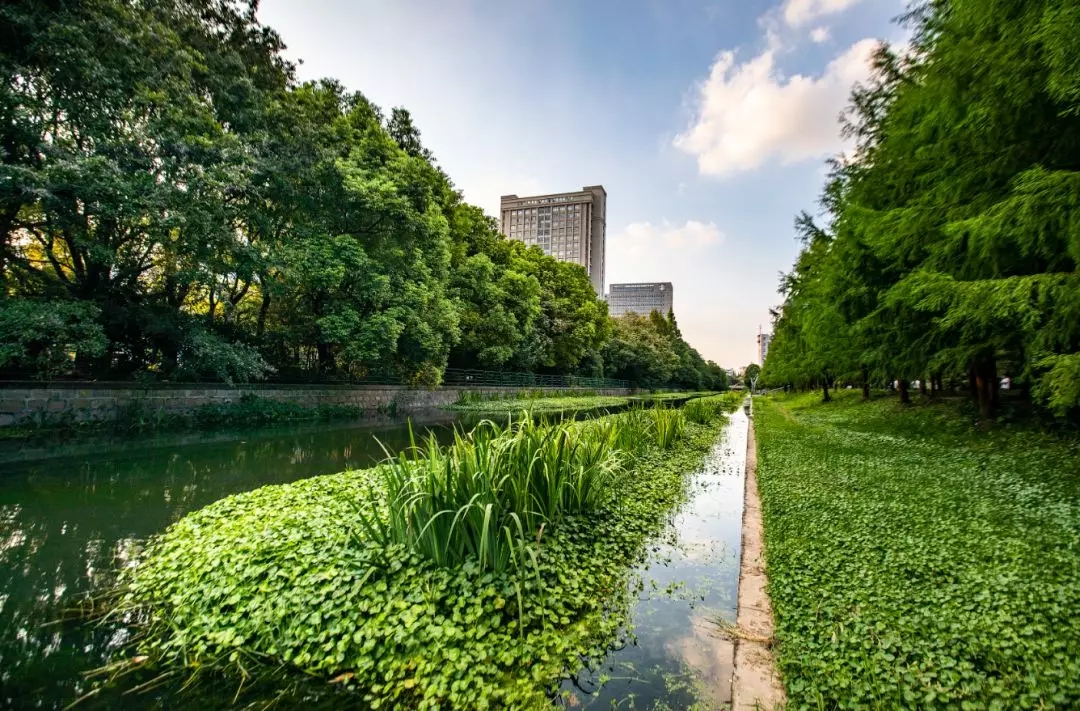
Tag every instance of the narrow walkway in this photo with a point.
(756, 683)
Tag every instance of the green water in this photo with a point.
(68, 522)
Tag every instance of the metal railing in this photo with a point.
(453, 377)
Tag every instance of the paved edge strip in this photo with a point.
(755, 683)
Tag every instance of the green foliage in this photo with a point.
(705, 410)
(490, 493)
(650, 351)
(186, 209)
(915, 561)
(284, 581)
(45, 337)
(252, 410)
(538, 402)
(952, 241)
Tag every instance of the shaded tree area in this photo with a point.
(175, 205)
(650, 350)
(949, 250)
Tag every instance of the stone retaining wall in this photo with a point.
(25, 403)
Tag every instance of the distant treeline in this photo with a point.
(174, 205)
(951, 239)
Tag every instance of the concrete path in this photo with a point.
(756, 683)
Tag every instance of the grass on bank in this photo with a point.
(665, 396)
(551, 401)
(299, 581)
(535, 402)
(916, 561)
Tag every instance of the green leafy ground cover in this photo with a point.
(566, 403)
(916, 561)
(663, 396)
(286, 581)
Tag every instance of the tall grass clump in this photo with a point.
(706, 410)
(653, 427)
(490, 493)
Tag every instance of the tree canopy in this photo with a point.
(950, 241)
(175, 205)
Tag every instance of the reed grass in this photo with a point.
(706, 410)
(489, 494)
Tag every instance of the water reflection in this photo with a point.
(678, 656)
(68, 523)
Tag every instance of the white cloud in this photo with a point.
(644, 237)
(750, 113)
(798, 13)
(819, 35)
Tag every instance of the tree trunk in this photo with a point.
(213, 308)
(905, 397)
(825, 390)
(922, 386)
(985, 376)
(264, 308)
(865, 383)
(326, 358)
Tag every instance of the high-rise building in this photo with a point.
(640, 298)
(568, 226)
(763, 345)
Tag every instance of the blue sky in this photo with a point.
(708, 122)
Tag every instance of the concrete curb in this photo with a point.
(756, 682)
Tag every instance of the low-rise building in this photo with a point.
(641, 299)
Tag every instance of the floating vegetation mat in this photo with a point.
(301, 583)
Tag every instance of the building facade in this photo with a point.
(641, 299)
(763, 346)
(569, 226)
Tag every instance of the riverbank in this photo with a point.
(289, 578)
(755, 684)
(35, 406)
(917, 561)
(539, 401)
(536, 402)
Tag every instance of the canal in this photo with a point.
(70, 520)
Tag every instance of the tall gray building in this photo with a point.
(568, 226)
(763, 340)
(641, 298)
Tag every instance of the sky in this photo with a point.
(708, 122)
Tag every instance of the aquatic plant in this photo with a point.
(704, 410)
(489, 493)
(286, 583)
(640, 427)
(550, 401)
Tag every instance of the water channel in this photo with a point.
(67, 522)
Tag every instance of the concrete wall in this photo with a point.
(99, 401)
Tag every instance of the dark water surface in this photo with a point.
(68, 521)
